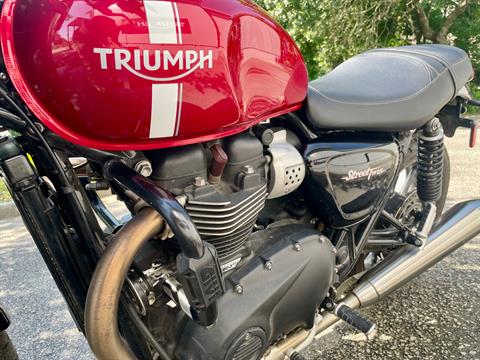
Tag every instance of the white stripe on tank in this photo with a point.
(164, 27)
(164, 110)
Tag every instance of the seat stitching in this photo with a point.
(409, 56)
(441, 59)
(453, 72)
(401, 99)
(420, 52)
(376, 103)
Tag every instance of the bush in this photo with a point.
(4, 194)
(328, 32)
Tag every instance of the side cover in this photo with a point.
(143, 74)
(348, 176)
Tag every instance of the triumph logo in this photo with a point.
(367, 173)
(140, 62)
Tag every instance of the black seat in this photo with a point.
(392, 89)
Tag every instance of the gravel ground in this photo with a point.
(437, 316)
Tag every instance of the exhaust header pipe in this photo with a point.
(101, 310)
(457, 226)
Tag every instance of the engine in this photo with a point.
(223, 185)
(228, 188)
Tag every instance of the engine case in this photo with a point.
(262, 303)
(347, 176)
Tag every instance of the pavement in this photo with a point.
(437, 316)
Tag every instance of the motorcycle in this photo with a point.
(262, 208)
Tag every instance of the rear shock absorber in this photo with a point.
(429, 173)
(430, 162)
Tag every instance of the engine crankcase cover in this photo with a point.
(262, 303)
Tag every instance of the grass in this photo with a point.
(4, 194)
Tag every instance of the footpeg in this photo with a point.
(355, 320)
(351, 317)
(414, 236)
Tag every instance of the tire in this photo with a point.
(7, 350)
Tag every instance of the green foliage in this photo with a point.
(4, 194)
(475, 92)
(466, 31)
(303, 20)
(328, 32)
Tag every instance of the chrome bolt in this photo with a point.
(151, 298)
(239, 289)
(248, 336)
(144, 168)
(334, 251)
(297, 247)
(268, 265)
(248, 170)
(130, 154)
(329, 306)
(3, 76)
(199, 181)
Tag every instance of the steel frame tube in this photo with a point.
(165, 203)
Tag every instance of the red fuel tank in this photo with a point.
(132, 74)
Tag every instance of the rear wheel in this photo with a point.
(7, 350)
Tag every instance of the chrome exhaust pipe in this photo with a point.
(458, 225)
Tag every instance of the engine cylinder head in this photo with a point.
(430, 162)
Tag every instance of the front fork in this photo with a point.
(43, 220)
(69, 248)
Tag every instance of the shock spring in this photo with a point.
(430, 162)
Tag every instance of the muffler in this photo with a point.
(458, 225)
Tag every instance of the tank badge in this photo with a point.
(353, 175)
(165, 27)
(140, 62)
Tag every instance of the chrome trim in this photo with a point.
(456, 227)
